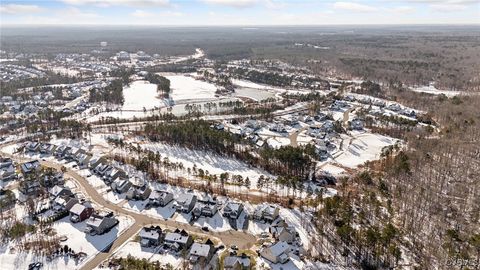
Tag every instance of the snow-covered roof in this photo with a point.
(201, 250)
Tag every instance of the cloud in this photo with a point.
(130, 3)
(448, 7)
(141, 14)
(402, 9)
(446, 2)
(20, 9)
(76, 14)
(351, 6)
(231, 3)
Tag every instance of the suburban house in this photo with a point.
(95, 161)
(121, 185)
(160, 198)
(64, 203)
(61, 151)
(234, 262)
(178, 240)
(99, 224)
(206, 210)
(266, 212)
(101, 168)
(356, 124)
(201, 254)
(79, 152)
(282, 232)
(30, 188)
(185, 202)
(52, 180)
(47, 148)
(139, 192)
(83, 160)
(8, 173)
(57, 191)
(5, 162)
(113, 174)
(32, 147)
(277, 253)
(29, 167)
(150, 236)
(80, 212)
(232, 210)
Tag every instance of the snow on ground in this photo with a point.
(76, 239)
(134, 249)
(210, 162)
(361, 148)
(293, 264)
(253, 93)
(10, 149)
(187, 88)
(141, 94)
(216, 223)
(431, 89)
(13, 259)
(294, 218)
(252, 85)
(332, 169)
(278, 142)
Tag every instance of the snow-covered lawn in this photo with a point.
(77, 240)
(134, 249)
(362, 147)
(188, 88)
(216, 223)
(293, 264)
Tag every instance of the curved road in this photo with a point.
(242, 239)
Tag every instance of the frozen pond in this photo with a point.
(141, 94)
(255, 94)
(187, 88)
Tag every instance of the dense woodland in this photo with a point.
(420, 203)
(163, 84)
(292, 162)
(112, 93)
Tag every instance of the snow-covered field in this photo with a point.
(431, 89)
(361, 148)
(188, 88)
(141, 94)
(252, 93)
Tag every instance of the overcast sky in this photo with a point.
(239, 12)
